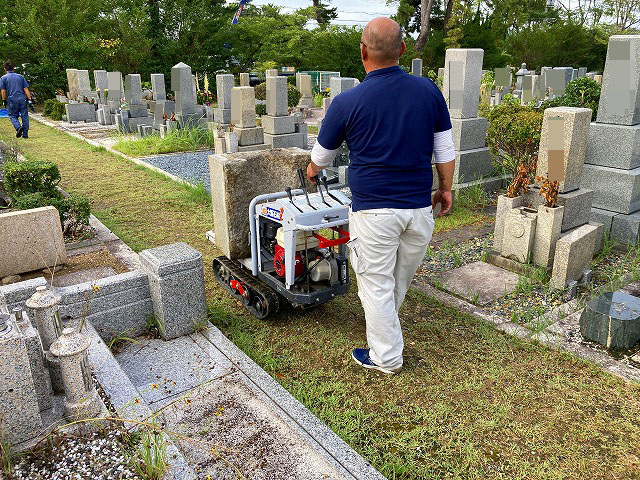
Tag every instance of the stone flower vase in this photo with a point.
(505, 205)
(548, 229)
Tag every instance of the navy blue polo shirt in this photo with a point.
(388, 122)
(14, 84)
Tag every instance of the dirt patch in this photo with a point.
(87, 261)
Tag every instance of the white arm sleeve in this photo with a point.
(443, 149)
(321, 156)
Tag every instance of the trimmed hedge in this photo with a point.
(31, 176)
(53, 109)
(294, 96)
(75, 208)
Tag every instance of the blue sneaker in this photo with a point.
(361, 356)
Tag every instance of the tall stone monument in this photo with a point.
(305, 85)
(612, 163)
(158, 87)
(243, 117)
(183, 85)
(100, 80)
(279, 127)
(416, 67)
(461, 90)
(224, 85)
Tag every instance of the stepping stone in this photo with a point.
(479, 282)
(612, 320)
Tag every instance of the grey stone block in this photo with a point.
(604, 217)
(548, 228)
(472, 165)
(19, 409)
(134, 122)
(278, 125)
(599, 237)
(416, 67)
(80, 112)
(615, 190)
(84, 86)
(130, 320)
(462, 77)
(39, 372)
(341, 84)
(222, 115)
(101, 83)
(176, 281)
(625, 229)
(519, 233)
(577, 205)
(469, 133)
(575, 122)
(287, 140)
(184, 88)
(224, 84)
(615, 146)
(574, 252)
(505, 205)
(16, 294)
(254, 148)
(133, 89)
(612, 320)
(158, 86)
(245, 80)
(137, 111)
(277, 96)
(161, 109)
(620, 98)
(114, 84)
(243, 107)
(250, 136)
(236, 179)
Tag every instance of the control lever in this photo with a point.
(324, 182)
(320, 190)
(288, 190)
(303, 183)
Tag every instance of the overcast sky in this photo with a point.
(350, 12)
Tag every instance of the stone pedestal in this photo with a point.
(158, 87)
(576, 204)
(469, 133)
(280, 127)
(548, 228)
(19, 409)
(184, 88)
(245, 80)
(133, 89)
(519, 234)
(81, 398)
(176, 281)
(612, 320)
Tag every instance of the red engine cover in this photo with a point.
(278, 262)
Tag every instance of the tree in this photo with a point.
(425, 22)
(324, 14)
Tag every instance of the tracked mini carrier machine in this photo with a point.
(298, 251)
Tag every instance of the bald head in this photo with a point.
(383, 38)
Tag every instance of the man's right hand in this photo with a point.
(445, 199)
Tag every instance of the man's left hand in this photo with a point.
(31, 107)
(445, 199)
(312, 172)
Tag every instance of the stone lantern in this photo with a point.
(44, 305)
(81, 398)
(519, 76)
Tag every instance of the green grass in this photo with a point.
(471, 403)
(177, 141)
(460, 217)
(312, 129)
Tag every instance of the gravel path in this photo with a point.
(191, 166)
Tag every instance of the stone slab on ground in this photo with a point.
(31, 240)
(236, 179)
(479, 282)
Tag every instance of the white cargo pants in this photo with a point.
(387, 246)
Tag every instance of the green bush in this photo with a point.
(261, 109)
(75, 209)
(31, 176)
(53, 109)
(293, 93)
(582, 92)
(514, 134)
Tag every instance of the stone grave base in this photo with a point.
(479, 283)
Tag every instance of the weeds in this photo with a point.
(201, 325)
(149, 458)
(6, 456)
(182, 140)
(473, 197)
(120, 339)
(98, 148)
(154, 326)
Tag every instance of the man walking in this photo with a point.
(393, 123)
(15, 89)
